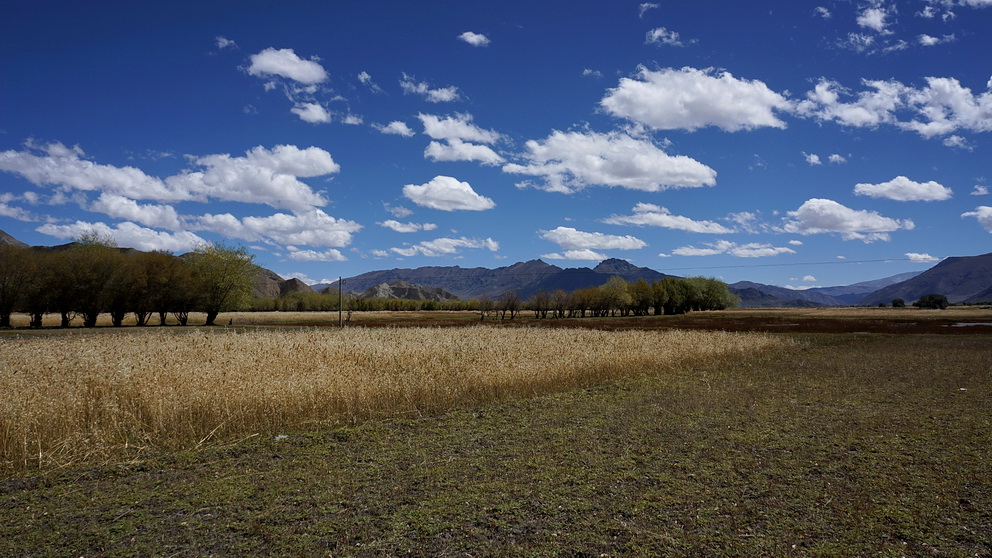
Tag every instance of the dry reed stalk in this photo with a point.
(82, 399)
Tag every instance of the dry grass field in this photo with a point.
(80, 398)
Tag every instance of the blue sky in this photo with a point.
(791, 143)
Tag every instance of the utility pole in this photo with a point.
(340, 300)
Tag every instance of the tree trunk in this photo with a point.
(211, 316)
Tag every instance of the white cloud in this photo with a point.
(656, 216)
(820, 216)
(474, 39)
(837, 159)
(439, 95)
(750, 250)
(644, 7)
(366, 79)
(579, 255)
(150, 215)
(128, 235)
(958, 142)
(223, 43)
(314, 113)
(447, 194)
(331, 255)
(570, 161)
(572, 239)
(984, 215)
(822, 12)
(921, 258)
(457, 150)
(980, 190)
(662, 36)
(14, 212)
(809, 278)
(812, 158)
(928, 40)
(407, 227)
(874, 19)
(285, 63)
(901, 188)
(588, 72)
(398, 211)
(310, 228)
(690, 99)
(942, 107)
(446, 247)
(396, 128)
(459, 126)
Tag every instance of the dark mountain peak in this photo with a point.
(615, 265)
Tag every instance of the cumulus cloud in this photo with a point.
(459, 127)
(920, 258)
(224, 43)
(446, 247)
(646, 214)
(396, 128)
(332, 255)
(457, 150)
(901, 188)
(750, 250)
(929, 40)
(395, 225)
(690, 99)
(447, 194)
(873, 18)
(579, 255)
(150, 215)
(812, 159)
(958, 142)
(662, 36)
(644, 7)
(942, 107)
(822, 216)
(572, 239)
(979, 190)
(433, 95)
(836, 159)
(984, 215)
(310, 228)
(128, 235)
(313, 113)
(285, 63)
(570, 161)
(474, 39)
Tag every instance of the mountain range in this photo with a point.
(966, 279)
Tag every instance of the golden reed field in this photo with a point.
(81, 398)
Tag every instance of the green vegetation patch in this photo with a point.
(845, 445)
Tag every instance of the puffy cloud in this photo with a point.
(690, 99)
(644, 7)
(459, 126)
(812, 158)
(928, 40)
(819, 216)
(874, 19)
(407, 227)
(314, 113)
(835, 158)
(15, 212)
(285, 63)
(570, 161)
(119, 207)
(979, 190)
(572, 239)
(446, 247)
(662, 36)
(474, 39)
(920, 258)
(957, 142)
(942, 107)
(223, 43)
(128, 235)
(581, 255)
(447, 194)
(440, 95)
(901, 188)
(750, 250)
(331, 255)
(395, 128)
(311, 228)
(656, 216)
(457, 150)
(984, 215)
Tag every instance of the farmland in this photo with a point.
(544, 437)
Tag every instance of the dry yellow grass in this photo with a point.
(73, 399)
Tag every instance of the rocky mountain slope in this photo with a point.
(960, 279)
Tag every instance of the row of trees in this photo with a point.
(92, 276)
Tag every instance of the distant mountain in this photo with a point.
(408, 291)
(851, 294)
(960, 279)
(780, 296)
(7, 239)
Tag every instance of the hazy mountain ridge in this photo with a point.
(960, 279)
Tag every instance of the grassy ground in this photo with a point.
(847, 445)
